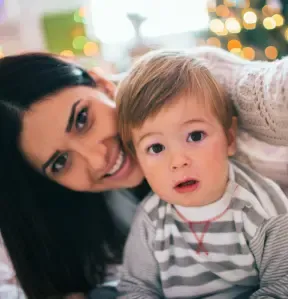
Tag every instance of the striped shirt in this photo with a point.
(239, 250)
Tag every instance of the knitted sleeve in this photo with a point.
(139, 276)
(9, 286)
(258, 89)
(269, 247)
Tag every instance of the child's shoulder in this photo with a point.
(150, 202)
(258, 191)
(146, 214)
(149, 207)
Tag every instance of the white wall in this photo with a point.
(21, 30)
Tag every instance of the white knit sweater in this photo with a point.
(258, 90)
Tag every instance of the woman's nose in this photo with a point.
(96, 156)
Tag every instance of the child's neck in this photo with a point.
(207, 212)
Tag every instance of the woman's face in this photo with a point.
(71, 137)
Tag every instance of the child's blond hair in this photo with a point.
(156, 79)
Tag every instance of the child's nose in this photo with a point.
(179, 160)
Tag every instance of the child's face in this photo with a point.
(183, 152)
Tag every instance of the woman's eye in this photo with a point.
(196, 136)
(59, 163)
(81, 119)
(155, 148)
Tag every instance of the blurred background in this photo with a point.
(111, 34)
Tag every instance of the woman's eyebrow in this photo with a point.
(71, 117)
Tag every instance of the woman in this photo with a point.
(59, 240)
(57, 132)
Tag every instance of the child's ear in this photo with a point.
(231, 136)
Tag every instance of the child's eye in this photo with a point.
(196, 136)
(155, 148)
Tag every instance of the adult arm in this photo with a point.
(269, 247)
(258, 89)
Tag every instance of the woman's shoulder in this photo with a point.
(122, 205)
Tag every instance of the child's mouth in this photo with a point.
(188, 185)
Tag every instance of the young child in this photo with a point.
(214, 228)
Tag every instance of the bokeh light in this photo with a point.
(248, 53)
(249, 26)
(236, 51)
(67, 53)
(214, 41)
(233, 25)
(82, 12)
(91, 49)
(234, 44)
(79, 42)
(286, 34)
(268, 10)
(269, 23)
(222, 11)
(271, 52)
(216, 26)
(250, 17)
(279, 20)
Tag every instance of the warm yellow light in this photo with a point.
(249, 26)
(222, 11)
(248, 53)
(223, 33)
(271, 52)
(250, 17)
(269, 23)
(286, 34)
(233, 25)
(90, 49)
(216, 26)
(234, 43)
(236, 51)
(267, 11)
(279, 20)
(81, 12)
(67, 53)
(214, 41)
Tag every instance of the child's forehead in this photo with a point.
(181, 111)
(187, 105)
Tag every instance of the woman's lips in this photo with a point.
(118, 164)
(121, 169)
